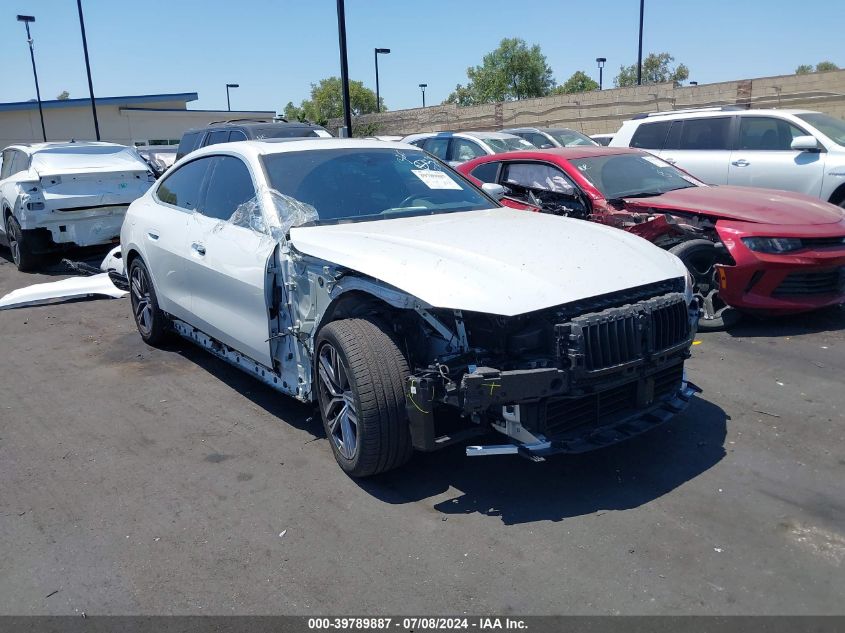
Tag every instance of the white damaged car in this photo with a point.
(370, 278)
(55, 196)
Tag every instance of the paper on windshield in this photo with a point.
(435, 179)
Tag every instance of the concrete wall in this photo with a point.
(604, 111)
(118, 124)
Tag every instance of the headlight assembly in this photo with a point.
(772, 244)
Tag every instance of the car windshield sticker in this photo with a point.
(435, 179)
(322, 134)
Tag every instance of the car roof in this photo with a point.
(250, 125)
(34, 148)
(264, 147)
(714, 112)
(471, 134)
(564, 153)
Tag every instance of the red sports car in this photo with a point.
(755, 250)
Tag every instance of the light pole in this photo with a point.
(600, 61)
(344, 67)
(640, 49)
(379, 51)
(26, 19)
(228, 102)
(88, 69)
(423, 87)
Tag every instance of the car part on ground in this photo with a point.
(56, 196)
(368, 277)
(766, 252)
(66, 289)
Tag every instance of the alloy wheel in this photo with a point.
(14, 242)
(337, 401)
(142, 307)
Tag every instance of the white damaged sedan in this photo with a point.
(371, 279)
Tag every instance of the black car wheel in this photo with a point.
(21, 254)
(151, 321)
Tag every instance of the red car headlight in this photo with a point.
(772, 244)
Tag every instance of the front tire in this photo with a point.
(700, 257)
(150, 320)
(23, 257)
(360, 375)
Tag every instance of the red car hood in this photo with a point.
(744, 204)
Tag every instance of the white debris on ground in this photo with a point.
(100, 284)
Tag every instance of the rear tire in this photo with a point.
(700, 257)
(152, 323)
(359, 374)
(23, 257)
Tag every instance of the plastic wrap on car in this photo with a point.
(270, 213)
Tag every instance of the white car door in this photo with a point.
(700, 146)
(763, 157)
(227, 263)
(162, 230)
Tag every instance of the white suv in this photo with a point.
(796, 150)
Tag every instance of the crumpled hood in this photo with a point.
(497, 261)
(744, 204)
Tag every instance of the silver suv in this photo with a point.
(796, 150)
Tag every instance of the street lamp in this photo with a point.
(88, 69)
(423, 87)
(379, 51)
(640, 48)
(600, 61)
(26, 19)
(228, 102)
(344, 67)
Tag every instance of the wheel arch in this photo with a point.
(838, 195)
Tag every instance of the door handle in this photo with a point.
(199, 248)
(741, 163)
(152, 236)
(671, 161)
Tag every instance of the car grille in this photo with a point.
(564, 415)
(618, 336)
(815, 283)
(822, 242)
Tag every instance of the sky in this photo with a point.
(275, 49)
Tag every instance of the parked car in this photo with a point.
(796, 150)
(755, 250)
(370, 278)
(603, 139)
(55, 196)
(246, 129)
(455, 148)
(548, 137)
(158, 157)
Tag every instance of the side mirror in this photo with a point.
(493, 190)
(805, 144)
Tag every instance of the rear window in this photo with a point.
(651, 135)
(188, 144)
(285, 131)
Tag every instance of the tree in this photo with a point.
(578, 82)
(63, 95)
(326, 102)
(826, 65)
(512, 71)
(804, 69)
(656, 69)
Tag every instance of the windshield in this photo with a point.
(570, 138)
(371, 184)
(501, 145)
(830, 126)
(621, 175)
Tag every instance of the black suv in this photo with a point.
(243, 130)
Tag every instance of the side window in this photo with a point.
(6, 170)
(464, 150)
(538, 177)
(236, 135)
(229, 187)
(188, 144)
(182, 187)
(538, 140)
(215, 137)
(651, 135)
(766, 133)
(486, 172)
(709, 133)
(673, 140)
(437, 146)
